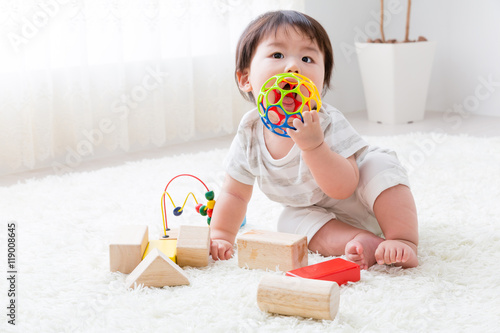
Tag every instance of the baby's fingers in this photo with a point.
(306, 115)
(310, 117)
(297, 123)
(228, 253)
(221, 250)
(214, 250)
(314, 116)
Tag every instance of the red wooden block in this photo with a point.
(337, 270)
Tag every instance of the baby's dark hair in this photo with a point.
(270, 22)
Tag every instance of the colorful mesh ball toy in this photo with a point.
(283, 98)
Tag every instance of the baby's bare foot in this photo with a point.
(401, 253)
(361, 249)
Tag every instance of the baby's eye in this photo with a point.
(306, 59)
(278, 55)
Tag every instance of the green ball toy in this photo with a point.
(283, 98)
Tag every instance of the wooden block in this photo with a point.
(157, 270)
(127, 247)
(166, 245)
(272, 250)
(337, 270)
(298, 297)
(193, 246)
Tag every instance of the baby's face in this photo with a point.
(283, 52)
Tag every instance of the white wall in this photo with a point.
(467, 55)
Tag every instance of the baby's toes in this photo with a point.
(399, 255)
(354, 257)
(389, 256)
(379, 254)
(405, 256)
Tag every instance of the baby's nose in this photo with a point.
(292, 67)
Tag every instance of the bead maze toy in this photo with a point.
(203, 210)
(283, 98)
(156, 263)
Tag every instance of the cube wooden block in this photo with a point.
(193, 246)
(127, 247)
(337, 270)
(272, 250)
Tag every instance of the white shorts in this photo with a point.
(379, 169)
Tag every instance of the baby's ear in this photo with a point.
(243, 80)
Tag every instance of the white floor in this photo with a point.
(434, 121)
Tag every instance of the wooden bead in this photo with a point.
(198, 206)
(211, 204)
(210, 195)
(178, 211)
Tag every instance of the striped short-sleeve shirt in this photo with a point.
(287, 180)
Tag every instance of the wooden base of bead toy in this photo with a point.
(337, 270)
(166, 246)
(170, 233)
(298, 297)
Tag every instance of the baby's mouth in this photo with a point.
(289, 101)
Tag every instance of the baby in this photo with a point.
(336, 189)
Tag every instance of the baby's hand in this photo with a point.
(221, 249)
(308, 134)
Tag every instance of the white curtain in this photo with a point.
(83, 79)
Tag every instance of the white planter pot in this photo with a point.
(395, 80)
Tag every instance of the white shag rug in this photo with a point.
(65, 222)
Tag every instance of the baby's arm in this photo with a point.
(227, 217)
(337, 176)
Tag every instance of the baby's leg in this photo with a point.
(383, 188)
(336, 238)
(396, 213)
(329, 236)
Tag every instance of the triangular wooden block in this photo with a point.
(157, 270)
